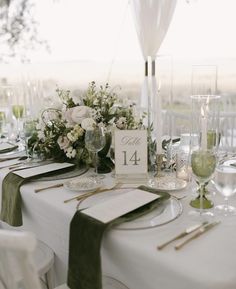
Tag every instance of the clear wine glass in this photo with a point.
(18, 113)
(2, 124)
(95, 141)
(203, 163)
(225, 183)
(29, 127)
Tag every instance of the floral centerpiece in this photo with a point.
(60, 131)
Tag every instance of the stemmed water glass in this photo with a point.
(2, 124)
(225, 183)
(205, 127)
(95, 141)
(203, 163)
(29, 127)
(18, 113)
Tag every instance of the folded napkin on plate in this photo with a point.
(11, 197)
(85, 241)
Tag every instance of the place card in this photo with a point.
(131, 153)
(42, 169)
(120, 205)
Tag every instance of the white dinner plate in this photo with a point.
(112, 283)
(82, 184)
(164, 213)
(169, 184)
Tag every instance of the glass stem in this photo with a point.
(27, 151)
(96, 163)
(226, 204)
(201, 191)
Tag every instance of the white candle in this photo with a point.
(158, 124)
(203, 130)
(157, 110)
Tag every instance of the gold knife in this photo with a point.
(183, 234)
(202, 230)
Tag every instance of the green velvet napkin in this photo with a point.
(11, 197)
(86, 234)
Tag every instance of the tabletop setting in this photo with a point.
(126, 198)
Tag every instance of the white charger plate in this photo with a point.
(82, 184)
(164, 213)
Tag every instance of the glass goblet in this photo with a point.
(2, 124)
(18, 113)
(95, 141)
(203, 163)
(29, 127)
(225, 183)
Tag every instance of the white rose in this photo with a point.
(88, 123)
(79, 113)
(63, 142)
(76, 114)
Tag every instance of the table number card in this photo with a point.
(131, 153)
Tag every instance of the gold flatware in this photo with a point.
(48, 187)
(182, 234)
(88, 194)
(199, 232)
(80, 196)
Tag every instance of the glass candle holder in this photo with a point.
(205, 125)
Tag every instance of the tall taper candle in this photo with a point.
(157, 111)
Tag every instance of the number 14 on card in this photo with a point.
(130, 151)
(131, 160)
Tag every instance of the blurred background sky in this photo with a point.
(96, 40)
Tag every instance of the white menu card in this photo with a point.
(120, 205)
(38, 170)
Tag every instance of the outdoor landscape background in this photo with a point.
(96, 41)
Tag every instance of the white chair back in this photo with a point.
(17, 268)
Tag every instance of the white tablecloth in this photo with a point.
(208, 262)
